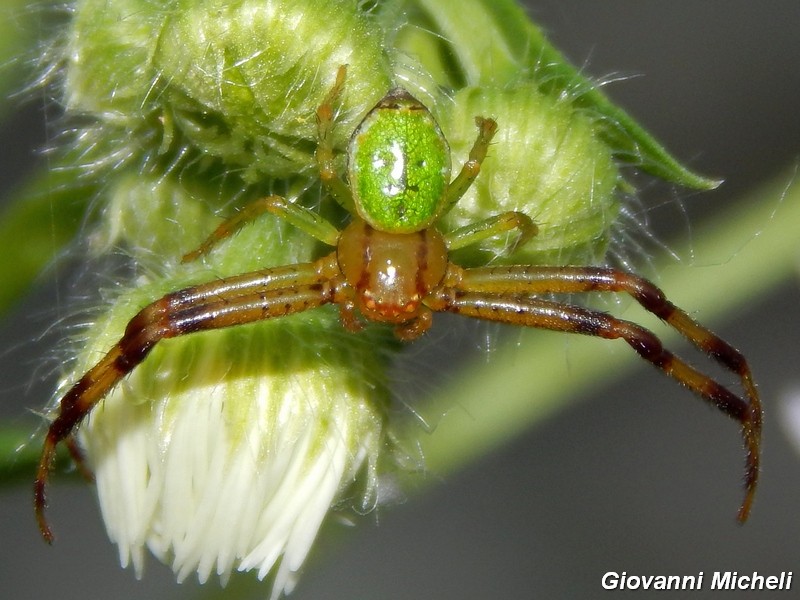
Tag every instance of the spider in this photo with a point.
(391, 265)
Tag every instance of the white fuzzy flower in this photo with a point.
(226, 451)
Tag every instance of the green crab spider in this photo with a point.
(391, 265)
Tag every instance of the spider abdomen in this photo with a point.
(399, 165)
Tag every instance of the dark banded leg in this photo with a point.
(571, 280)
(225, 303)
(530, 311)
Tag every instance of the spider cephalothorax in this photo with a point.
(390, 264)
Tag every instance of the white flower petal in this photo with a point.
(235, 471)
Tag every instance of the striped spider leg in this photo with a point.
(256, 296)
(514, 295)
(391, 265)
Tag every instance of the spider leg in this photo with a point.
(324, 154)
(230, 226)
(493, 226)
(306, 220)
(266, 294)
(507, 294)
(79, 459)
(486, 130)
(569, 280)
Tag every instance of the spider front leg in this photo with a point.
(257, 296)
(486, 130)
(508, 294)
(324, 154)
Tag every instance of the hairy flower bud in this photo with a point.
(547, 161)
(225, 451)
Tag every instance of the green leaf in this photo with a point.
(34, 227)
(16, 43)
(492, 42)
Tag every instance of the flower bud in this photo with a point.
(226, 450)
(547, 161)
